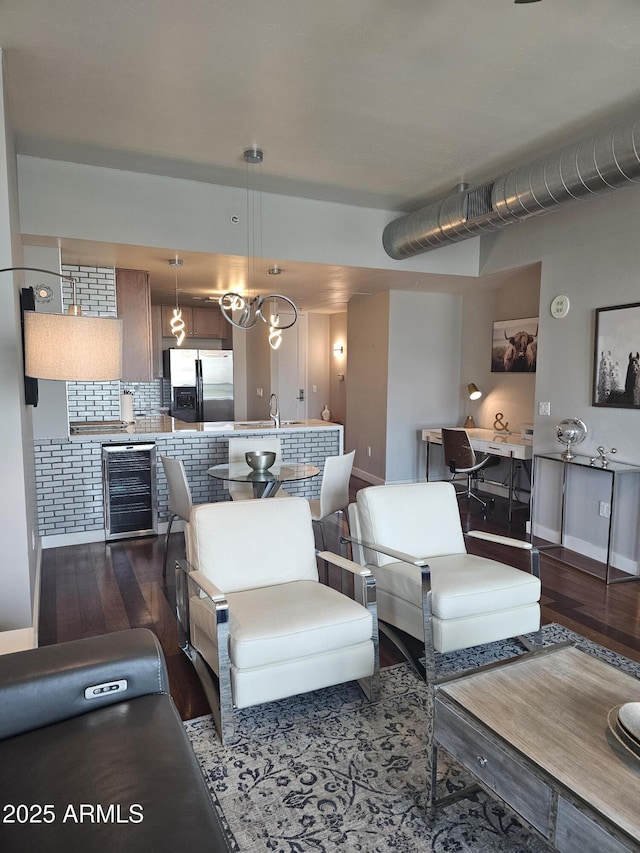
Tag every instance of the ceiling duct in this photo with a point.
(594, 166)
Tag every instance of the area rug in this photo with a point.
(328, 770)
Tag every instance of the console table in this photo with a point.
(534, 732)
(613, 470)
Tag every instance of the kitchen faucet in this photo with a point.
(274, 410)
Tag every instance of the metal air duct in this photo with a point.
(594, 166)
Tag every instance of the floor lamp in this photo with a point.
(70, 347)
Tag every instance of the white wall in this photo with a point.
(71, 200)
(339, 366)
(366, 422)
(17, 495)
(425, 339)
(404, 372)
(511, 394)
(591, 253)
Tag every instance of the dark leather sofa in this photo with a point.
(113, 772)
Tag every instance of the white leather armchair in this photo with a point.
(255, 620)
(427, 585)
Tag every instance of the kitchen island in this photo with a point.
(69, 472)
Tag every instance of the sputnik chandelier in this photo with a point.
(278, 312)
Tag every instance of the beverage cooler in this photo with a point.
(129, 487)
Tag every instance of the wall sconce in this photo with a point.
(338, 349)
(474, 394)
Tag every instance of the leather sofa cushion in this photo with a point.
(134, 752)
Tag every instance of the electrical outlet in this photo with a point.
(604, 510)
(544, 408)
(314, 388)
(258, 392)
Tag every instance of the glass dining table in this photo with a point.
(265, 483)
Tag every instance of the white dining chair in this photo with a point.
(179, 502)
(334, 491)
(237, 449)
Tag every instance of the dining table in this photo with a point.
(265, 483)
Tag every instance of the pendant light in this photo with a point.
(254, 308)
(177, 323)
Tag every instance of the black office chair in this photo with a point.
(460, 458)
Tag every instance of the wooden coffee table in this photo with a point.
(534, 732)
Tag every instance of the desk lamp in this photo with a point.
(474, 394)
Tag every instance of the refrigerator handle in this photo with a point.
(199, 389)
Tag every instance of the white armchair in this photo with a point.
(427, 585)
(255, 620)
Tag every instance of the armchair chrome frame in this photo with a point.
(217, 688)
(427, 671)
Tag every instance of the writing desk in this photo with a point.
(512, 447)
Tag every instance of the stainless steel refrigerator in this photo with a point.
(201, 384)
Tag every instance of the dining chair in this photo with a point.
(237, 449)
(334, 491)
(460, 458)
(428, 586)
(179, 502)
(253, 617)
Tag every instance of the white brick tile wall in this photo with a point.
(69, 474)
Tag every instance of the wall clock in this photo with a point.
(560, 307)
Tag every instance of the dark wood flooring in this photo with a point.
(103, 587)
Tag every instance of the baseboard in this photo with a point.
(588, 549)
(367, 477)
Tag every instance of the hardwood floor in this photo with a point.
(104, 587)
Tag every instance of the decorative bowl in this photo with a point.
(260, 460)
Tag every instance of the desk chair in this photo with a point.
(334, 491)
(237, 449)
(460, 458)
(180, 502)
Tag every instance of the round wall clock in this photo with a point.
(560, 307)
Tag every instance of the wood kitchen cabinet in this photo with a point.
(133, 300)
(199, 322)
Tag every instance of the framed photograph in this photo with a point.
(515, 346)
(616, 371)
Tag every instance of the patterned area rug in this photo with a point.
(328, 771)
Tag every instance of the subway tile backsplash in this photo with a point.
(100, 401)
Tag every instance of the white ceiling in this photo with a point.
(382, 103)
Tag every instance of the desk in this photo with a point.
(614, 470)
(265, 483)
(511, 447)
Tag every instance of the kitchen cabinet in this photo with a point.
(199, 322)
(157, 342)
(133, 300)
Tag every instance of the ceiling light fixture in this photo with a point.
(271, 308)
(70, 347)
(177, 323)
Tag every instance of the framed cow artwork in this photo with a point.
(514, 348)
(616, 369)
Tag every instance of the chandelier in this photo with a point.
(278, 312)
